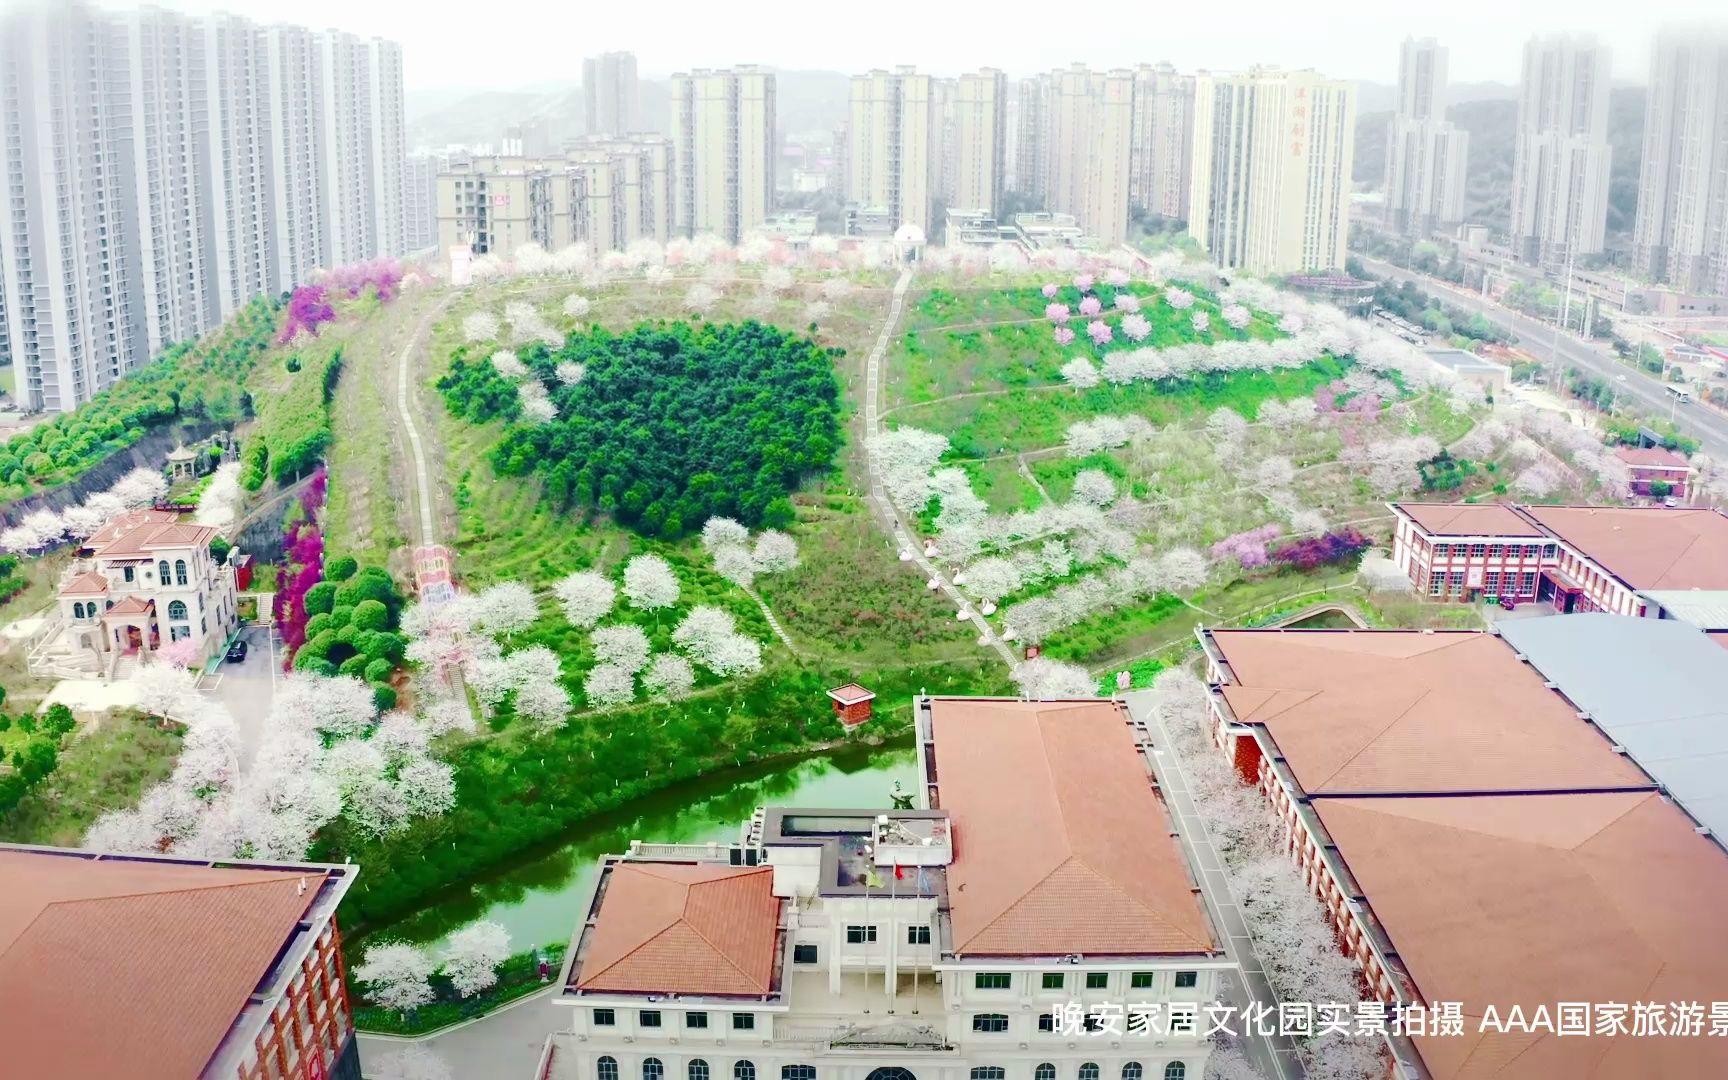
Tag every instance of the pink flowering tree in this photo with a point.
(1099, 331)
(1202, 322)
(1116, 277)
(1180, 299)
(1083, 282)
(1049, 290)
(1237, 316)
(1247, 548)
(1064, 336)
(1135, 327)
(303, 554)
(1126, 301)
(307, 310)
(1091, 306)
(1057, 313)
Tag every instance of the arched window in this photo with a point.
(1089, 1071)
(743, 1070)
(1132, 1071)
(698, 1069)
(1045, 1071)
(989, 1072)
(652, 1069)
(891, 1072)
(1175, 1071)
(162, 570)
(77, 609)
(797, 1072)
(606, 1069)
(177, 610)
(179, 571)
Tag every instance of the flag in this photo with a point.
(871, 881)
(899, 871)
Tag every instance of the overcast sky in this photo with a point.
(499, 44)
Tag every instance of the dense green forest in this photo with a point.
(670, 424)
(198, 380)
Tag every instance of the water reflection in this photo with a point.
(539, 899)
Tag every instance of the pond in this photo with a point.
(541, 897)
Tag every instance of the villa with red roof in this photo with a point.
(142, 582)
(1042, 869)
(1649, 561)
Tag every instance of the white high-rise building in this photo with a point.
(1271, 176)
(1163, 142)
(894, 147)
(163, 169)
(1681, 233)
(725, 146)
(1087, 133)
(976, 153)
(1561, 158)
(611, 94)
(420, 199)
(1425, 155)
(1028, 141)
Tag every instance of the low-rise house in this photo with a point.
(1655, 465)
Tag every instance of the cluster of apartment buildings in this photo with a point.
(158, 170)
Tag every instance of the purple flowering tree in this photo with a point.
(1057, 313)
(307, 310)
(1317, 551)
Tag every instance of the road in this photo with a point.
(246, 689)
(1701, 422)
(1274, 1056)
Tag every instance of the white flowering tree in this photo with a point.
(472, 955)
(569, 372)
(397, 976)
(505, 609)
(1044, 679)
(624, 645)
(1080, 373)
(735, 563)
(586, 597)
(775, 552)
(608, 685)
(650, 584)
(480, 327)
(576, 305)
(669, 677)
(1094, 487)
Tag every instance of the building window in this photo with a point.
(77, 609)
(1181, 1021)
(859, 935)
(1526, 584)
(129, 574)
(1053, 980)
(990, 1022)
(1187, 980)
(1097, 980)
(1089, 1071)
(162, 570)
(1436, 583)
(1548, 550)
(803, 954)
(1478, 550)
(1175, 1071)
(1133, 1071)
(179, 571)
(1140, 980)
(992, 980)
(648, 1018)
(1442, 551)
(1495, 551)
(177, 610)
(743, 1021)
(797, 1072)
(696, 1021)
(743, 1070)
(1457, 588)
(652, 1069)
(917, 935)
(606, 1068)
(1491, 583)
(1044, 1071)
(1091, 1023)
(698, 1069)
(200, 603)
(989, 1072)
(605, 1018)
(1047, 1022)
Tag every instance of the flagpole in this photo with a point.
(869, 872)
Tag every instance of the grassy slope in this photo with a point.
(103, 769)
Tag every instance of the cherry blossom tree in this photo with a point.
(1537, 482)
(1063, 336)
(1100, 333)
(836, 289)
(719, 532)
(1230, 1063)
(1182, 570)
(735, 563)
(1091, 306)
(340, 706)
(1044, 679)
(1202, 322)
(586, 597)
(505, 609)
(472, 955)
(775, 552)
(427, 787)
(165, 689)
(669, 677)
(1238, 316)
(993, 578)
(608, 685)
(1291, 324)
(480, 327)
(1094, 486)
(508, 364)
(1049, 290)
(1126, 301)
(396, 975)
(1080, 373)
(1083, 282)
(624, 645)
(701, 298)
(1057, 313)
(1180, 299)
(1274, 472)
(569, 372)
(904, 458)
(1135, 327)
(649, 583)
(445, 714)
(576, 305)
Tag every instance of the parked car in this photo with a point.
(237, 652)
(1670, 501)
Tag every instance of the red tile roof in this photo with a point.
(851, 694)
(1531, 900)
(1468, 519)
(85, 584)
(684, 928)
(132, 605)
(134, 969)
(1358, 711)
(1061, 844)
(121, 524)
(1651, 457)
(1648, 547)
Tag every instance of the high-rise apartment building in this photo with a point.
(420, 199)
(611, 94)
(1029, 139)
(1681, 232)
(895, 147)
(1162, 147)
(1271, 174)
(1087, 136)
(159, 170)
(1425, 154)
(631, 189)
(975, 152)
(1561, 157)
(725, 145)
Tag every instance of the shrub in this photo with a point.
(385, 697)
(319, 623)
(370, 615)
(340, 568)
(377, 671)
(320, 598)
(341, 614)
(371, 583)
(354, 665)
(293, 363)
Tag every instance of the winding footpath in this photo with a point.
(405, 412)
(884, 510)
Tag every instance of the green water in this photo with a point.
(541, 898)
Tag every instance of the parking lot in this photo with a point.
(248, 687)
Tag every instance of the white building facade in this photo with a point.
(894, 146)
(1163, 142)
(1681, 233)
(724, 148)
(1561, 157)
(1426, 155)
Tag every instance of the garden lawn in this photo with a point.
(107, 766)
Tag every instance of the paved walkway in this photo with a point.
(416, 447)
(1274, 1056)
(886, 516)
(506, 1043)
